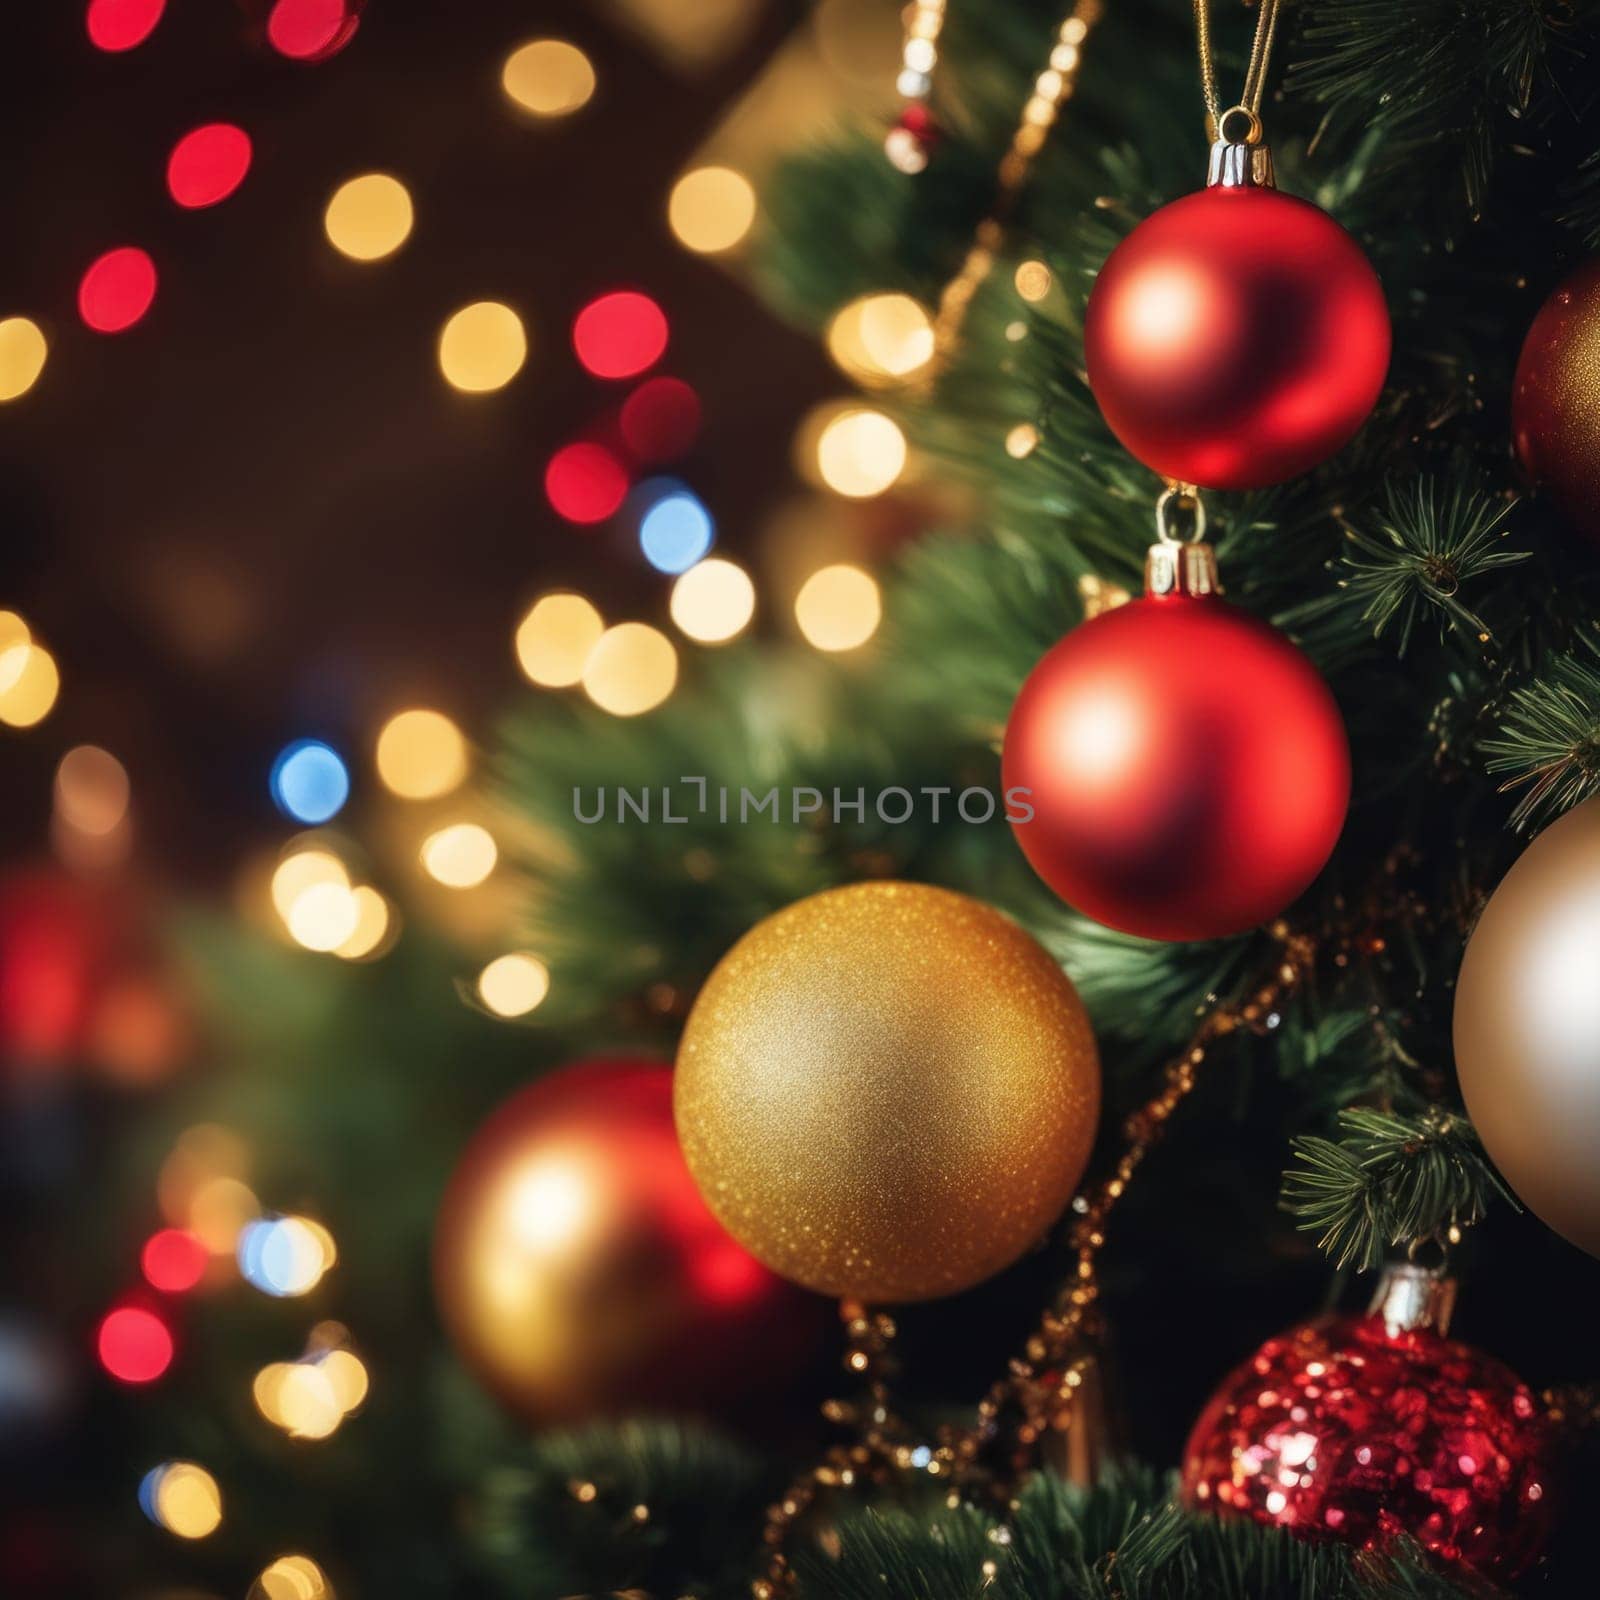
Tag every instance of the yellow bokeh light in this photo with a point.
(460, 856)
(373, 923)
(185, 1500)
(713, 601)
(347, 1377)
(513, 985)
(91, 790)
(548, 77)
(1033, 280)
(482, 347)
(218, 1210)
(302, 870)
(292, 1578)
(838, 607)
(554, 639)
(369, 217)
(881, 338)
(861, 453)
(1022, 441)
(421, 755)
(304, 1401)
(30, 684)
(13, 631)
(711, 209)
(22, 356)
(632, 669)
(323, 917)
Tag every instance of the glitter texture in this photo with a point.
(887, 1091)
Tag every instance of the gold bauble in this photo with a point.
(887, 1091)
(1527, 1027)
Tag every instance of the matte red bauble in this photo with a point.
(1362, 1428)
(579, 1272)
(1186, 767)
(1236, 338)
(1555, 396)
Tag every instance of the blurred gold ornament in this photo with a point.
(1527, 1027)
(887, 1091)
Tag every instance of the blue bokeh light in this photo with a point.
(676, 531)
(310, 781)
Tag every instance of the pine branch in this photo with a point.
(1430, 540)
(1550, 737)
(1387, 1180)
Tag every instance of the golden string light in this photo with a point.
(22, 356)
(711, 209)
(554, 639)
(368, 217)
(1042, 1385)
(548, 77)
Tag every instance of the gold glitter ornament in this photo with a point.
(887, 1091)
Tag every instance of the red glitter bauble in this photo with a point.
(580, 1273)
(1350, 1429)
(1186, 768)
(1236, 338)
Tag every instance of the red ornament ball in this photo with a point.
(1236, 338)
(910, 143)
(1185, 766)
(1554, 399)
(1349, 1429)
(580, 1273)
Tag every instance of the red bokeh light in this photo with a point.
(121, 24)
(312, 30)
(134, 1345)
(660, 420)
(620, 334)
(173, 1260)
(117, 290)
(207, 164)
(585, 482)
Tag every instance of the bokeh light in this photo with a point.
(548, 77)
(299, 1397)
(881, 338)
(861, 453)
(585, 483)
(284, 1256)
(421, 754)
(22, 356)
(374, 930)
(173, 1260)
(1032, 280)
(220, 1208)
(324, 917)
(14, 633)
(713, 601)
(460, 856)
(91, 790)
(309, 781)
(347, 1376)
(711, 209)
(620, 334)
(207, 164)
(660, 420)
(676, 530)
(482, 347)
(554, 639)
(312, 30)
(838, 607)
(183, 1498)
(134, 1344)
(29, 684)
(1022, 441)
(301, 870)
(117, 290)
(369, 217)
(631, 669)
(513, 985)
(115, 25)
(293, 1577)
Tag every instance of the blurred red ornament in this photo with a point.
(1187, 768)
(117, 290)
(312, 30)
(619, 335)
(1554, 398)
(1363, 1428)
(585, 482)
(117, 25)
(660, 420)
(134, 1345)
(910, 143)
(207, 164)
(1236, 338)
(579, 1272)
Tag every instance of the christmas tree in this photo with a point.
(1215, 1064)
